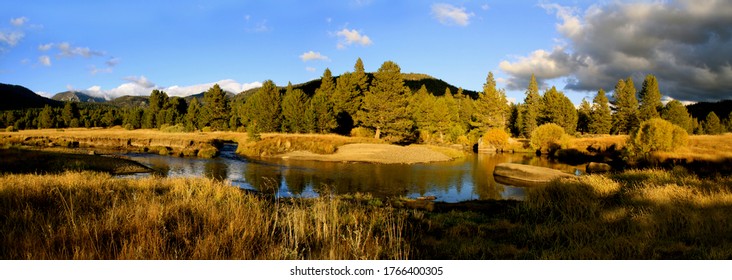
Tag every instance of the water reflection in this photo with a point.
(464, 179)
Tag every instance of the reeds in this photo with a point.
(94, 216)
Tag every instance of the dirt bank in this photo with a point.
(27, 161)
(375, 153)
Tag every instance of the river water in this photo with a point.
(464, 179)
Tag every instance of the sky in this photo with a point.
(115, 48)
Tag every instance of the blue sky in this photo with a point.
(131, 47)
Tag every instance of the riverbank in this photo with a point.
(373, 153)
(637, 214)
(47, 162)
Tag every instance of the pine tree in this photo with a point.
(625, 118)
(347, 99)
(601, 118)
(294, 107)
(385, 105)
(491, 107)
(650, 99)
(321, 104)
(216, 108)
(558, 109)
(47, 118)
(193, 114)
(531, 108)
(265, 108)
(584, 115)
(676, 113)
(712, 125)
(360, 78)
(69, 113)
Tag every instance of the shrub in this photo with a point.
(656, 135)
(208, 152)
(495, 137)
(362, 132)
(173, 128)
(548, 137)
(10, 128)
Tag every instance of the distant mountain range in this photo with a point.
(16, 97)
(77, 96)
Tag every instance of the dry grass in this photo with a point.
(273, 144)
(598, 142)
(94, 216)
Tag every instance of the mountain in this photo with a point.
(77, 96)
(700, 110)
(412, 80)
(16, 97)
(130, 101)
(188, 99)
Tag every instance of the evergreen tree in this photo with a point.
(47, 118)
(360, 78)
(625, 118)
(321, 104)
(729, 122)
(69, 113)
(133, 118)
(265, 108)
(712, 125)
(531, 108)
(294, 107)
(558, 109)
(584, 117)
(650, 99)
(601, 118)
(514, 120)
(385, 105)
(193, 115)
(676, 113)
(491, 107)
(216, 108)
(158, 99)
(175, 110)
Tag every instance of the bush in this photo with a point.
(10, 128)
(548, 137)
(496, 138)
(362, 132)
(172, 128)
(656, 135)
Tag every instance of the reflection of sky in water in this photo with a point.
(470, 178)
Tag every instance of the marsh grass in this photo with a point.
(94, 216)
(637, 214)
(277, 143)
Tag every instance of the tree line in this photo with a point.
(381, 106)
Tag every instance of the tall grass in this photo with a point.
(95, 216)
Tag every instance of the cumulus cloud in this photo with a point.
(18, 21)
(311, 55)
(44, 60)
(11, 38)
(687, 44)
(349, 37)
(142, 86)
(450, 15)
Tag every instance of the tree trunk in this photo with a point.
(378, 133)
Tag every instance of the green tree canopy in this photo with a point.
(650, 99)
(265, 108)
(712, 125)
(216, 108)
(385, 105)
(558, 109)
(531, 108)
(601, 118)
(491, 106)
(294, 107)
(676, 113)
(625, 118)
(584, 116)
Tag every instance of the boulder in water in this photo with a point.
(526, 175)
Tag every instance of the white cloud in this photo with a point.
(544, 64)
(311, 55)
(45, 47)
(256, 27)
(44, 60)
(94, 70)
(68, 51)
(450, 15)
(11, 38)
(310, 69)
(141, 86)
(349, 37)
(485, 7)
(18, 21)
(112, 62)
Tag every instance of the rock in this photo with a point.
(526, 175)
(597, 167)
(92, 153)
(485, 147)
